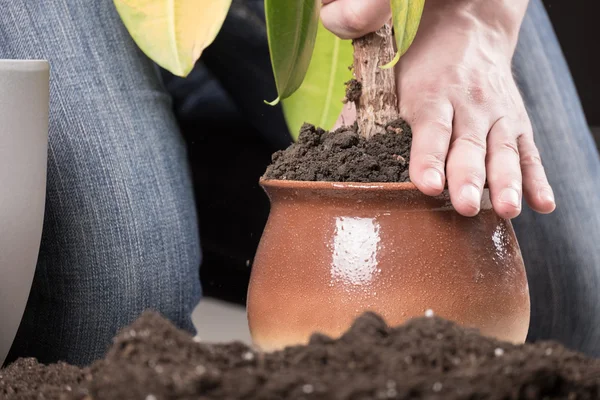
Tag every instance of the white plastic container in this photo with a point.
(24, 102)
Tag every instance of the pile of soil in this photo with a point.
(344, 156)
(427, 358)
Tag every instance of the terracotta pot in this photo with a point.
(331, 251)
(24, 99)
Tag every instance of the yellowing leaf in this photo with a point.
(173, 33)
(292, 30)
(319, 98)
(406, 16)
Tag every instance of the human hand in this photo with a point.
(457, 91)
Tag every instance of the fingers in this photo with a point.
(432, 131)
(537, 190)
(351, 19)
(507, 157)
(466, 162)
(503, 169)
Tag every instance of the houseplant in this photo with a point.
(24, 95)
(347, 233)
(333, 250)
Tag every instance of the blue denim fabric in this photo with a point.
(561, 250)
(120, 232)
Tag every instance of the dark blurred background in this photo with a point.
(577, 26)
(231, 133)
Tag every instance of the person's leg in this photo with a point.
(561, 250)
(120, 232)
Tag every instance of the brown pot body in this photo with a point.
(331, 251)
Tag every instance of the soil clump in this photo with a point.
(427, 358)
(344, 156)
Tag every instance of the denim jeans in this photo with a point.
(560, 250)
(121, 232)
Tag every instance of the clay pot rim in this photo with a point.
(328, 185)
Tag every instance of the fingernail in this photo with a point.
(433, 179)
(510, 196)
(546, 195)
(471, 195)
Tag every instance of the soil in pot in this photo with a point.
(427, 358)
(376, 148)
(344, 156)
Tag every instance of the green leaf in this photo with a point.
(292, 30)
(319, 98)
(173, 33)
(406, 16)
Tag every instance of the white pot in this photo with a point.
(24, 101)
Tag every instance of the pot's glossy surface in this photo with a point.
(331, 251)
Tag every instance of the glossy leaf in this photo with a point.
(292, 31)
(319, 98)
(173, 33)
(406, 16)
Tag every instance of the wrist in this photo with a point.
(499, 19)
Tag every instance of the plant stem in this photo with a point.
(378, 103)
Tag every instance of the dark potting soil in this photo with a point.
(353, 90)
(344, 156)
(427, 358)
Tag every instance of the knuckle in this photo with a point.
(457, 74)
(461, 175)
(472, 140)
(531, 160)
(430, 88)
(420, 92)
(440, 126)
(411, 107)
(353, 22)
(474, 177)
(508, 146)
(432, 159)
(477, 95)
(433, 117)
(509, 177)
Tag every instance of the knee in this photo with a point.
(104, 263)
(93, 281)
(154, 264)
(125, 237)
(162, 271)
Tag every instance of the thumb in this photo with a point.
(350, 19)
